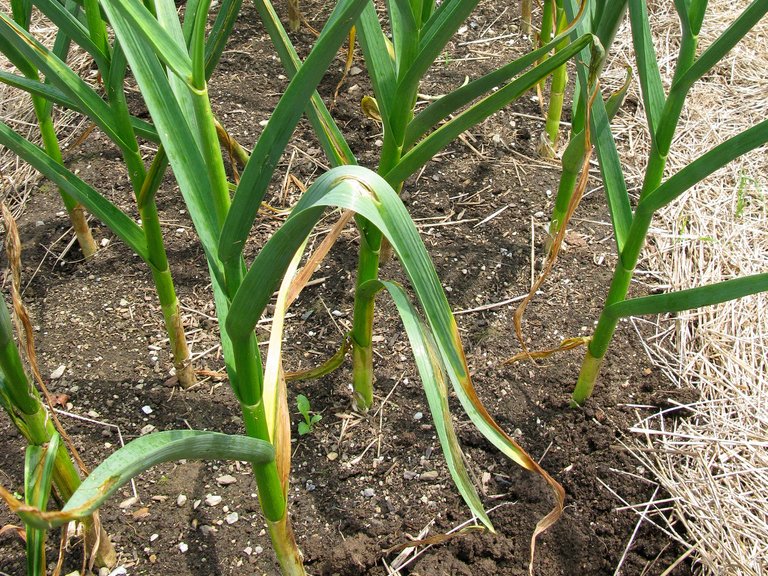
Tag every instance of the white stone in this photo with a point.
(226, 480)
(232, 517)
(213, 500)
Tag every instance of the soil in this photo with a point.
(361, 486)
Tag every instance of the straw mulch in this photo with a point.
(17, 178)
(713, 463)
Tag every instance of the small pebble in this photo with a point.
(430, 475)
(181, 500)
(183, 547)
(147, 429)
(258, 550)
(128, 502)
(213, 500)
(248, 550)
(408, 475)
(418, 416)
(369, 493)
(153, 537)
(232, 517)
(226, 480)
(58, 373)
(332, 455)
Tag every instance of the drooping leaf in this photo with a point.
(137, 456)
(434, 380)
(366, 193)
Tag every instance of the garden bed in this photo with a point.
(360, 485)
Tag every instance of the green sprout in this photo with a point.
(310, 419)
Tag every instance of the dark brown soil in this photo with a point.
(360, 486)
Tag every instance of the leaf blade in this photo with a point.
(136, 457)
(125, 228)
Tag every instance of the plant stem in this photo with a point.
(271, 497)
(606, 324)
(166, 293)
(294, 15)
(24, 407)
(557, 89)
(272, 494)
(288, 555)
(571, 163)
(74, 208)
(654, 175)
(372, 253)
(526, 17)
(362, 326)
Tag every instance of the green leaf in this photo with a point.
(133, 13)
(331, 140)
(724, 43)
(363, 191)
(405, 33)
(647, 64)
(436, 33)
(448, 104)
(689, 299)
(696, 12)
(38, 476)
(22, 11)
(304, 428)
(705, 165)
(37, 88)
(302, 403)
(141, 127)
(220, 32)
(139, 455)
(67, 24)
(378, 61)
(611, 171)
(268, 150)
(173, 129)
(426, 149)
(434, 380)
(62, 76)
(125, 228)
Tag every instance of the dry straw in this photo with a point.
(17, 178)
(713, 463)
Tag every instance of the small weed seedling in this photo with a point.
(306, 426)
